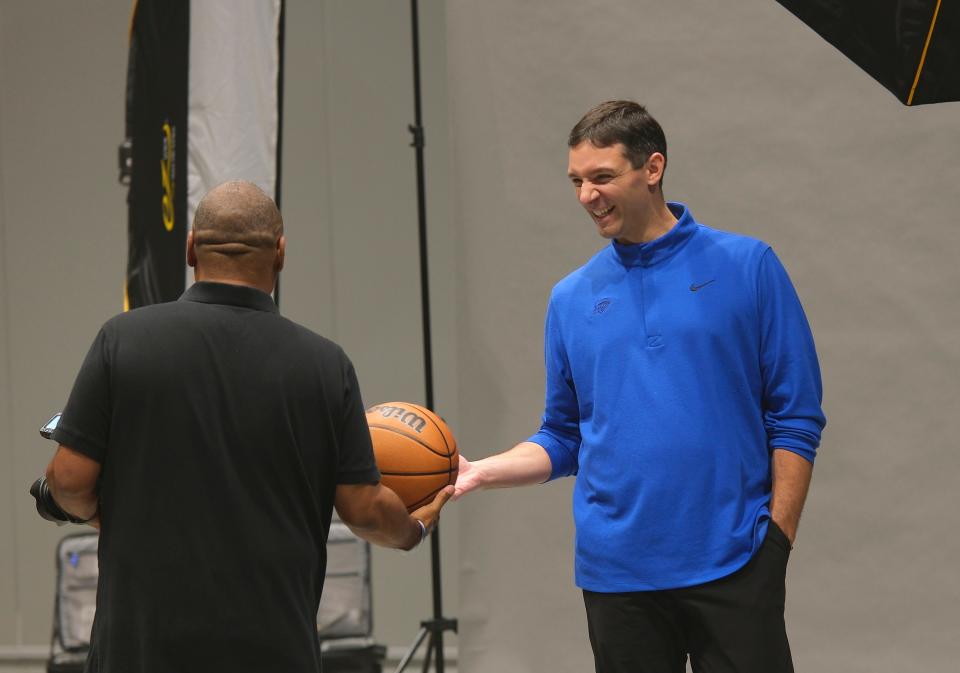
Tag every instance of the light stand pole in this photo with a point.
(435, 627)
(281, 48)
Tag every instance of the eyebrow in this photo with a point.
(595, 171)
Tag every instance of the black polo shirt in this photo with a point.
(222, 429)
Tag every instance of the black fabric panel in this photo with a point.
(157, 119)
(886, 38)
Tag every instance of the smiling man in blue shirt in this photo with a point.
(683, 392)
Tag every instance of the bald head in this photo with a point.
(235, 216)
(237, 235)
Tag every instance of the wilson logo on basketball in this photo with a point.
(405, 416)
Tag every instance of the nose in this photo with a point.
(586, 193)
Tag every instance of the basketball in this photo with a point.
(415, 451)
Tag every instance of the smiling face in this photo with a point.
(623, 200)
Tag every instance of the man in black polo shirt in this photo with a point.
(209, 439)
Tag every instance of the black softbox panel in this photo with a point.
(912, 47)
(157, 82)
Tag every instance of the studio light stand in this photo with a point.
(438, 625)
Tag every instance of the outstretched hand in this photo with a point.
(468, 478)
(430, 514)
(526, 463)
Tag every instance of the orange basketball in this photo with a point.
(415, 451)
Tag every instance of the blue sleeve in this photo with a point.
(792, 390)
(559, 432)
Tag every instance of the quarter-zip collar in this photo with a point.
(662, 248)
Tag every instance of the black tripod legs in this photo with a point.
(413, 650)
(434, 628)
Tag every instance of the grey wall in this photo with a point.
(63, 256)
(350, 211)
(774, 134)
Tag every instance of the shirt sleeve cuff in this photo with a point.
(804, 452)
(79, 443)
(562, 461)
(371, 476)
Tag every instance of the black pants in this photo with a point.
(731, 625)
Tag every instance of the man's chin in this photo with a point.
(608, 232)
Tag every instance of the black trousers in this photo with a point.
(731, 625)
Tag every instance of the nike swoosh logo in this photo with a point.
(694, 287)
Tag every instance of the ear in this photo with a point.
(191, 250)
(656, 164)
(281, 254)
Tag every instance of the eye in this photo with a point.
(602, 179)
(577, 182)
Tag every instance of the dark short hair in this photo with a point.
(625, 122)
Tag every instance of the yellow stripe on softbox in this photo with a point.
(923, 56)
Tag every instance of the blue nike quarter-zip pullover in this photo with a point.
(674, 368)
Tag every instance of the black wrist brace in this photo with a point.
(48, 508)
